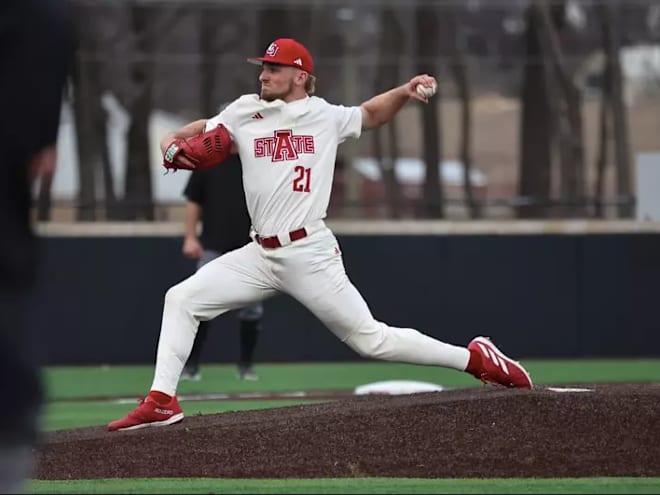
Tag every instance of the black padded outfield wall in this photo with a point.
(542, 296)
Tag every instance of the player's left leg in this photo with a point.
(347, 315)
(315, 276)
(320, 283)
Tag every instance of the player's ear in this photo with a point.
(301, 77)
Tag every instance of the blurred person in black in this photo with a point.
(215, 199)
(36, 50)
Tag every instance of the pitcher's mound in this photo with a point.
(563, 431)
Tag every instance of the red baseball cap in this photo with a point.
(286, 51)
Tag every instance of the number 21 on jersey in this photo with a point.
(303, 178)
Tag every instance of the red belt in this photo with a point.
(274, 241)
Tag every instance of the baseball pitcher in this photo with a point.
(287, 140)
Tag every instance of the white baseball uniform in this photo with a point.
(288, 153)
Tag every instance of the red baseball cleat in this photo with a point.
(149, 413)
(490, 365)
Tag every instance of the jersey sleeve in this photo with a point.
(230, 116)
(221, 118)
(348, 120)
(226, 117)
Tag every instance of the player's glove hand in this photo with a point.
(201, 152)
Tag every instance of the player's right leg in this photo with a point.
(234, 280)
(191, 371)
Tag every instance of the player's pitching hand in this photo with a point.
(422, 87)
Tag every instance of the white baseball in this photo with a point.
(426, 91)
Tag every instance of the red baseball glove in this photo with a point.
(206, 150)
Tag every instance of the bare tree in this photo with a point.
(386, 151)
(426, 17)
(274, 22)
(459, 69)
(89, 82)
(138, 203)
(603, 143)
(536, 128)
(44, 198)
(569, 114)
(209, 18)
(556, 131)
(612, 40)
(222, 31)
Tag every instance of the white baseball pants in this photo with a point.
(312, 271)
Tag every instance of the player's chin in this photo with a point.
(268, 95)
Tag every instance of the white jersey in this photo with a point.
(288, 151)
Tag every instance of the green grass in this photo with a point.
(67, 388)
(75, 382)
(362, 485)
(64, 415)
(121, 381)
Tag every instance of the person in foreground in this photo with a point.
(287, 140)
(37, 48)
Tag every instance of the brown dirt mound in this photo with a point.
(484, 432)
